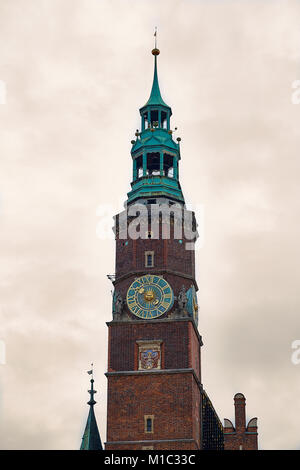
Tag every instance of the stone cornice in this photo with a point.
(156, 372)
(162, 320)
(140, 272)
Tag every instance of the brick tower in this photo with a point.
(154, 368)
(240, 436)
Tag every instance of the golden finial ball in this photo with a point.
(155, 51)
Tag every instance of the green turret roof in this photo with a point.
(154, 152)
(91, 437)
(155, 95)
(158, 137)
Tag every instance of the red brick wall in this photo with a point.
(181, 346)
(170, 445)
(171, 394)
(196, 400)
(194, 351)
(237, 440)
(169, 253)
(171, 398)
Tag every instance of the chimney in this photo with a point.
(240, 412)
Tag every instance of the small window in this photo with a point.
(148, 423)
(149, 259)
(164, 119)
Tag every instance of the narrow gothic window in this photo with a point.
(148, 423)
(149, 259)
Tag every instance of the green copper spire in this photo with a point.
(155, 96)
(154, 152)
(91, 437)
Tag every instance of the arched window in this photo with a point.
(139, 166)
(164, 122)
(153, 162)
(169, 165)
(154, 118)
(145, 123)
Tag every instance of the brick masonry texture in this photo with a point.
(169, 253)
(170, 445)
(180, 344)
(240, 437)
(170, 398)
(172, 394)
(234, 441)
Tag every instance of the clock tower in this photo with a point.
(155, 395)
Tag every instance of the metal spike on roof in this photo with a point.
(155, 95)
(91, 438)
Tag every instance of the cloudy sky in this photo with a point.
(76, 72)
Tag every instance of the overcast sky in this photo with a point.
(76, 73)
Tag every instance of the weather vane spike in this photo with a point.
(90, 372)
(155, 51)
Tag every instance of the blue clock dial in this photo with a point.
(149, 297)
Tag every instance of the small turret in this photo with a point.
(155, 113)
(240, 436)
(91, 438)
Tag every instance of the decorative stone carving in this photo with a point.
(182, 299)
(180, 310)
(118, 307)
(149, 354)
(118, 303)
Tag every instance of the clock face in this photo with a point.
(149, 297)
